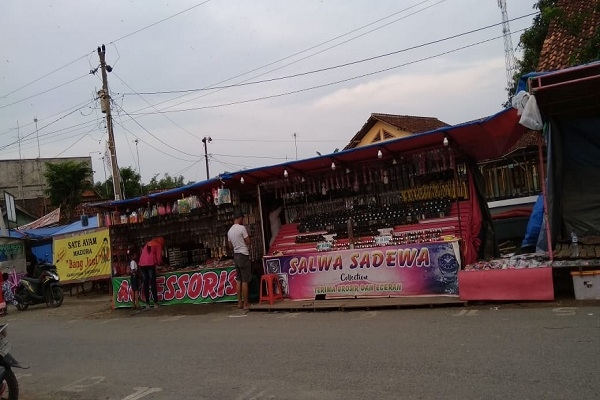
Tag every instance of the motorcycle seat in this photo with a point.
(32, 280)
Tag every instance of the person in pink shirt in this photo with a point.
(150, 258)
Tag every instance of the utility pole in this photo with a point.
(139, 166)
(105, 102)
(39, 166)
(206, 139)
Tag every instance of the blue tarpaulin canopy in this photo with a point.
(482, 139)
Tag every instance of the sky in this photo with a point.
(266, 80)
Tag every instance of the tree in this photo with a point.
(131, 181)
(168, 182)
(66, 182)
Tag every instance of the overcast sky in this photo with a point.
(50, 46)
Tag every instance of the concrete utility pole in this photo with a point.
(205, 140)
(105, 102)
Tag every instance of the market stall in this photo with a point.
(397, 218)
(567, 104)
(193, 220)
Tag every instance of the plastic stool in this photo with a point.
(270, 288)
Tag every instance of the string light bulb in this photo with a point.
(446, 141)
(333, 165)
(285, 173)
(379, 153)
(242, 180)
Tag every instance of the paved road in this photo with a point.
(218, 353)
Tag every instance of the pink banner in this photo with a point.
(390, 271)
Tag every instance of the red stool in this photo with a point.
(270, 288)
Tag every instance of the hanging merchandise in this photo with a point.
(224, 196)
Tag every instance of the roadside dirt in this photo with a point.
(95, 305)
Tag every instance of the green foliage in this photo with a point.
(533, 38)
(167, 182)
(133, 186)
(66, 183)
(131, 182)
(589, 52)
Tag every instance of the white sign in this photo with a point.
(11, 212)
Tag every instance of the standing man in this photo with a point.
(239, 240)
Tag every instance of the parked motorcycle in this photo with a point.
(44, 289)
(9, 387)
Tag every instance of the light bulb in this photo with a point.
(333, 165)
(285, 173)
(242, 180)
(446, 142)
(394, 161)
(379, 153)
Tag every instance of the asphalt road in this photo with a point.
(86, 351)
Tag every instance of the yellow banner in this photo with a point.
(83, 257)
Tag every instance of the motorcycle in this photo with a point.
(44, 289)
(9, 387)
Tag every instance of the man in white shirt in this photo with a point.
(239, 240)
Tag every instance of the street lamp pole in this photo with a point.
(205, 140)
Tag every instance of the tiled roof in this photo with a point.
(407, 123)
(561, 41)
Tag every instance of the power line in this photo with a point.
(229, 165)
(331, 67)
(330, 83)
(44, 92)
(43, 127)
(82, 125)
(149, 144)
(165, 116)
(84, 103)
(161, 21)
(44, 76)
(73, 144)
(111, 42)
(290, 56)
(154, 136)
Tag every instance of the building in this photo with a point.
(382, 127)
(24, 179)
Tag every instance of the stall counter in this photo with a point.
(198, 286)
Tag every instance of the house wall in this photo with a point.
(377, 129)
(24, 179)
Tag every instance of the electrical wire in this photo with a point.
(44, 76)
(178, 173)
(331, 67)
(111, 42)
(229, 164)
(43, 127)
(73, 144)
(165, 116)
(126, 138)
(159, 22)
(330, 83)
(44, 92)
(85, 103)
(282, 59)
(152, 146)
(156, 137)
